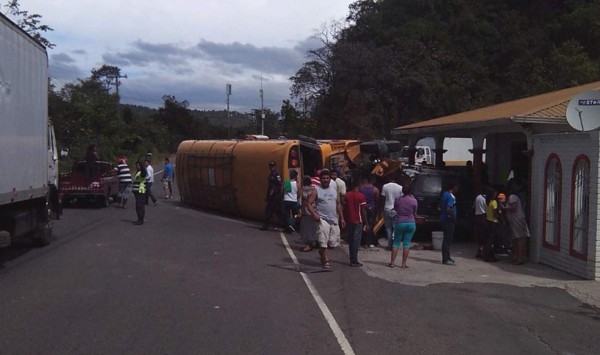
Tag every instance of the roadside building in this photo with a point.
(530, 139)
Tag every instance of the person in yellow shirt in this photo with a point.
(502, 242)
(491, 214)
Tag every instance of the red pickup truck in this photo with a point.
(96, 183)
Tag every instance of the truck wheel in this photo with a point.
(43, 234)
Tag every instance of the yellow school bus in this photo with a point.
(340, 154)
(231, 175)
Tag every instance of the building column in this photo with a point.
(439, 151)
(412, 150)
(529, 154)
(412, 142)
(478, 152)
(535, 242)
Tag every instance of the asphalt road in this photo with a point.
(192, 282)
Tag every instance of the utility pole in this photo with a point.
(262, 109)
(228, 93)
(118, 82)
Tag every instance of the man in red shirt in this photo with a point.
(356, 217)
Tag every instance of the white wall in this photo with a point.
(567, 146)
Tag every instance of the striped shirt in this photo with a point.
(124, 174)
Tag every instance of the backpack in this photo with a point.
(287, 186)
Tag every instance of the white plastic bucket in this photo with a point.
(437, 238)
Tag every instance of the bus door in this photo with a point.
(311, 160)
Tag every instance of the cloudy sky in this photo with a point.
(187, 48)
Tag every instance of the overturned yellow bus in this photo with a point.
(340, 153)
(231, 175)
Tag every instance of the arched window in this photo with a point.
(580, 201)
(552, 197)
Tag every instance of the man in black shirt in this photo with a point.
(274, 197)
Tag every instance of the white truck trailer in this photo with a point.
(457, 151)
(28, 159)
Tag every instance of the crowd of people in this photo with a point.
(324, 206)
(499, 224)
(140, 184)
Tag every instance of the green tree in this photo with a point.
(109, 76)
(295, 122)
(272, 123)
(396, 62)
(84, 112)
(30, 23)
(313, 81)
(176, 116)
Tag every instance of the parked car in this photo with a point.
(428, 186)
(99, 184)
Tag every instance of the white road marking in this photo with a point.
(337, 331)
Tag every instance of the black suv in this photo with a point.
(428, 186)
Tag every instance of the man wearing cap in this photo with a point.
(273, 198)
(325, 208)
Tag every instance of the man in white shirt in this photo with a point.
(325, 209)
(340, 185)
(390, 192)
(149, 182)
(290, 201)
(480, 224)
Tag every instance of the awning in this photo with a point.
(545, 109)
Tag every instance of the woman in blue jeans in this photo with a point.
(406, 209)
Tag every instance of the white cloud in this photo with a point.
(188, 49)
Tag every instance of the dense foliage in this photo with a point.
(87, 112)
(396, 62)
(30, 23)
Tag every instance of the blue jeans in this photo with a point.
(290, 210)
(354, 234)
(448, 228)
(149, 194)
(388, 222)
(370, 234)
